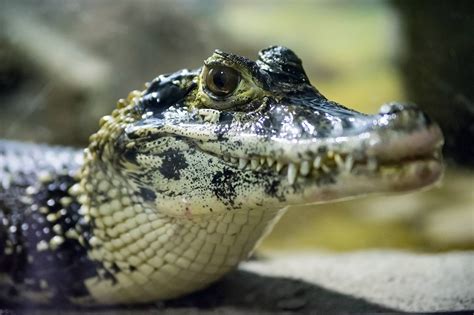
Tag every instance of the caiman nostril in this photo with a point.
(424, 118)
(403, 115)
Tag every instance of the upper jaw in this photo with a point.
(364, 154)
(397, 139)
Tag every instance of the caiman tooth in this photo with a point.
(317, 162)
(349, 163)
(372, 163)
(279, 166)
(339, 161)
(325, 168)
(243, 163)
(254, 163)
(292, 172)
(234, 160)
(262, 160)
(305, 168)
(270, 161)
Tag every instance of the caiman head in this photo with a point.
(243, 134)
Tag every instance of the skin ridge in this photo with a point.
(181, 183)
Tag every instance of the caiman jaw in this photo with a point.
(426, 163)
(399, 149)
(340, 162)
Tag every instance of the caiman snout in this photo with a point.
(404, 131)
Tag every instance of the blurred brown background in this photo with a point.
(63, 64)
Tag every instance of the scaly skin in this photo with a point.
(184, 179)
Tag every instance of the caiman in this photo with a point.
(183, 179)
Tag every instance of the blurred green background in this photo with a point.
(63, 64)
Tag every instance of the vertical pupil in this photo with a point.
(219, 79)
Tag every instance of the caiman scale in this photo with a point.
(183, 180)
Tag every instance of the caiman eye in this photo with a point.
(222, 81)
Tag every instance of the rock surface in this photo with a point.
(388, 279)
(366, 281)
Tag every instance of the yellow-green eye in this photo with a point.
(221, 81)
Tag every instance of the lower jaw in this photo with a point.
(413, 174)
(408, 176)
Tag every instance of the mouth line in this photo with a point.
(390, 154)
(327, 163)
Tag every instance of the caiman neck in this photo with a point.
(152, 255)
